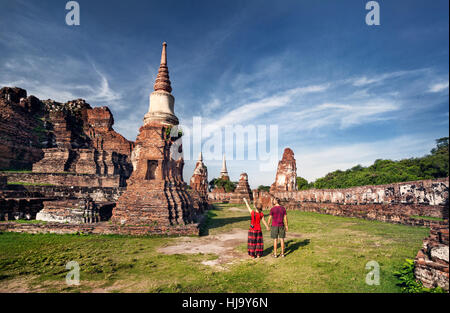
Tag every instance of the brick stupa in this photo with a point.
(199, 180)
(156, 193)
(199, 186)
(286, 178)
(224, 172)
(223, 176)
(242, 190)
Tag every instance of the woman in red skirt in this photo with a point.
(255, 236)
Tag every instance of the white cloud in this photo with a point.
(374, 79)
(252, 110)
(438, 87)
(342, 115)
(104, 93)
(61, 80)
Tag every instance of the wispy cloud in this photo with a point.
(438, 87)
(48, 78)
(379, 78)
(251, 111)
(343, 115)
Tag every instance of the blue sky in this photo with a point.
(342, 93)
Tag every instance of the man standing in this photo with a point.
(278, 217)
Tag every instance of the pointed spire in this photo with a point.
(164, 54)
(224, 166)
(162, 79)
(200, 157)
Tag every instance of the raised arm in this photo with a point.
(248, 207)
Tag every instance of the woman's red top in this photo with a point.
(256, 220)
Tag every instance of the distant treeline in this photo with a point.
(433, 165)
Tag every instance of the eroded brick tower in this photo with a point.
(156, 193)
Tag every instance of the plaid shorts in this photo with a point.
(277, 232)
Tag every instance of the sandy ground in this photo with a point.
(223, 245)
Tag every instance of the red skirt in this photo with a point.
(255, 243)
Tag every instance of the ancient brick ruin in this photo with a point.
(68, 146)
(199, 186)
(79, 175)
(74, 168)
(84, 142)
(408, 203)
(242, 190)
(224, 171)
(394, 203)
(26, 201)
(65, 138)
(156, 193)
(21, 141)
(431, 262)
(199, 179)
(286, 178)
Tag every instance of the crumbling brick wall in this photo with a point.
(406, 203)
(103, 228)
(396, 203)
(431, 262)
(66, 179)
(216, 197)
(24, 202)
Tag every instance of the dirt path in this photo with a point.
(223, 245)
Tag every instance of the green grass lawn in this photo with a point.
(324, 254)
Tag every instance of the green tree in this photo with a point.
(433, 165)
(263, 188)
(302, 184)
(229, 186)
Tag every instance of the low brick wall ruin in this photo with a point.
(66, 179)
(24, 202)
(97, 194)
(217, 197)
(103, 228)
(19, 208)
(431, 262)
(401, 203)
(395, 203)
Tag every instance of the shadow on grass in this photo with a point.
(211, 223)
(290, 247)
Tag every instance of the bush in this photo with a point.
(219, 183)
(263, 188)
(302, 184)
(408, 282)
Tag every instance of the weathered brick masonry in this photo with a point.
(103, 228)
(401, 203)
(218, 197)
(24, 202)
(66, 179)
(394, 203)
(242, 190)
(431, 262)
(156, 192)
